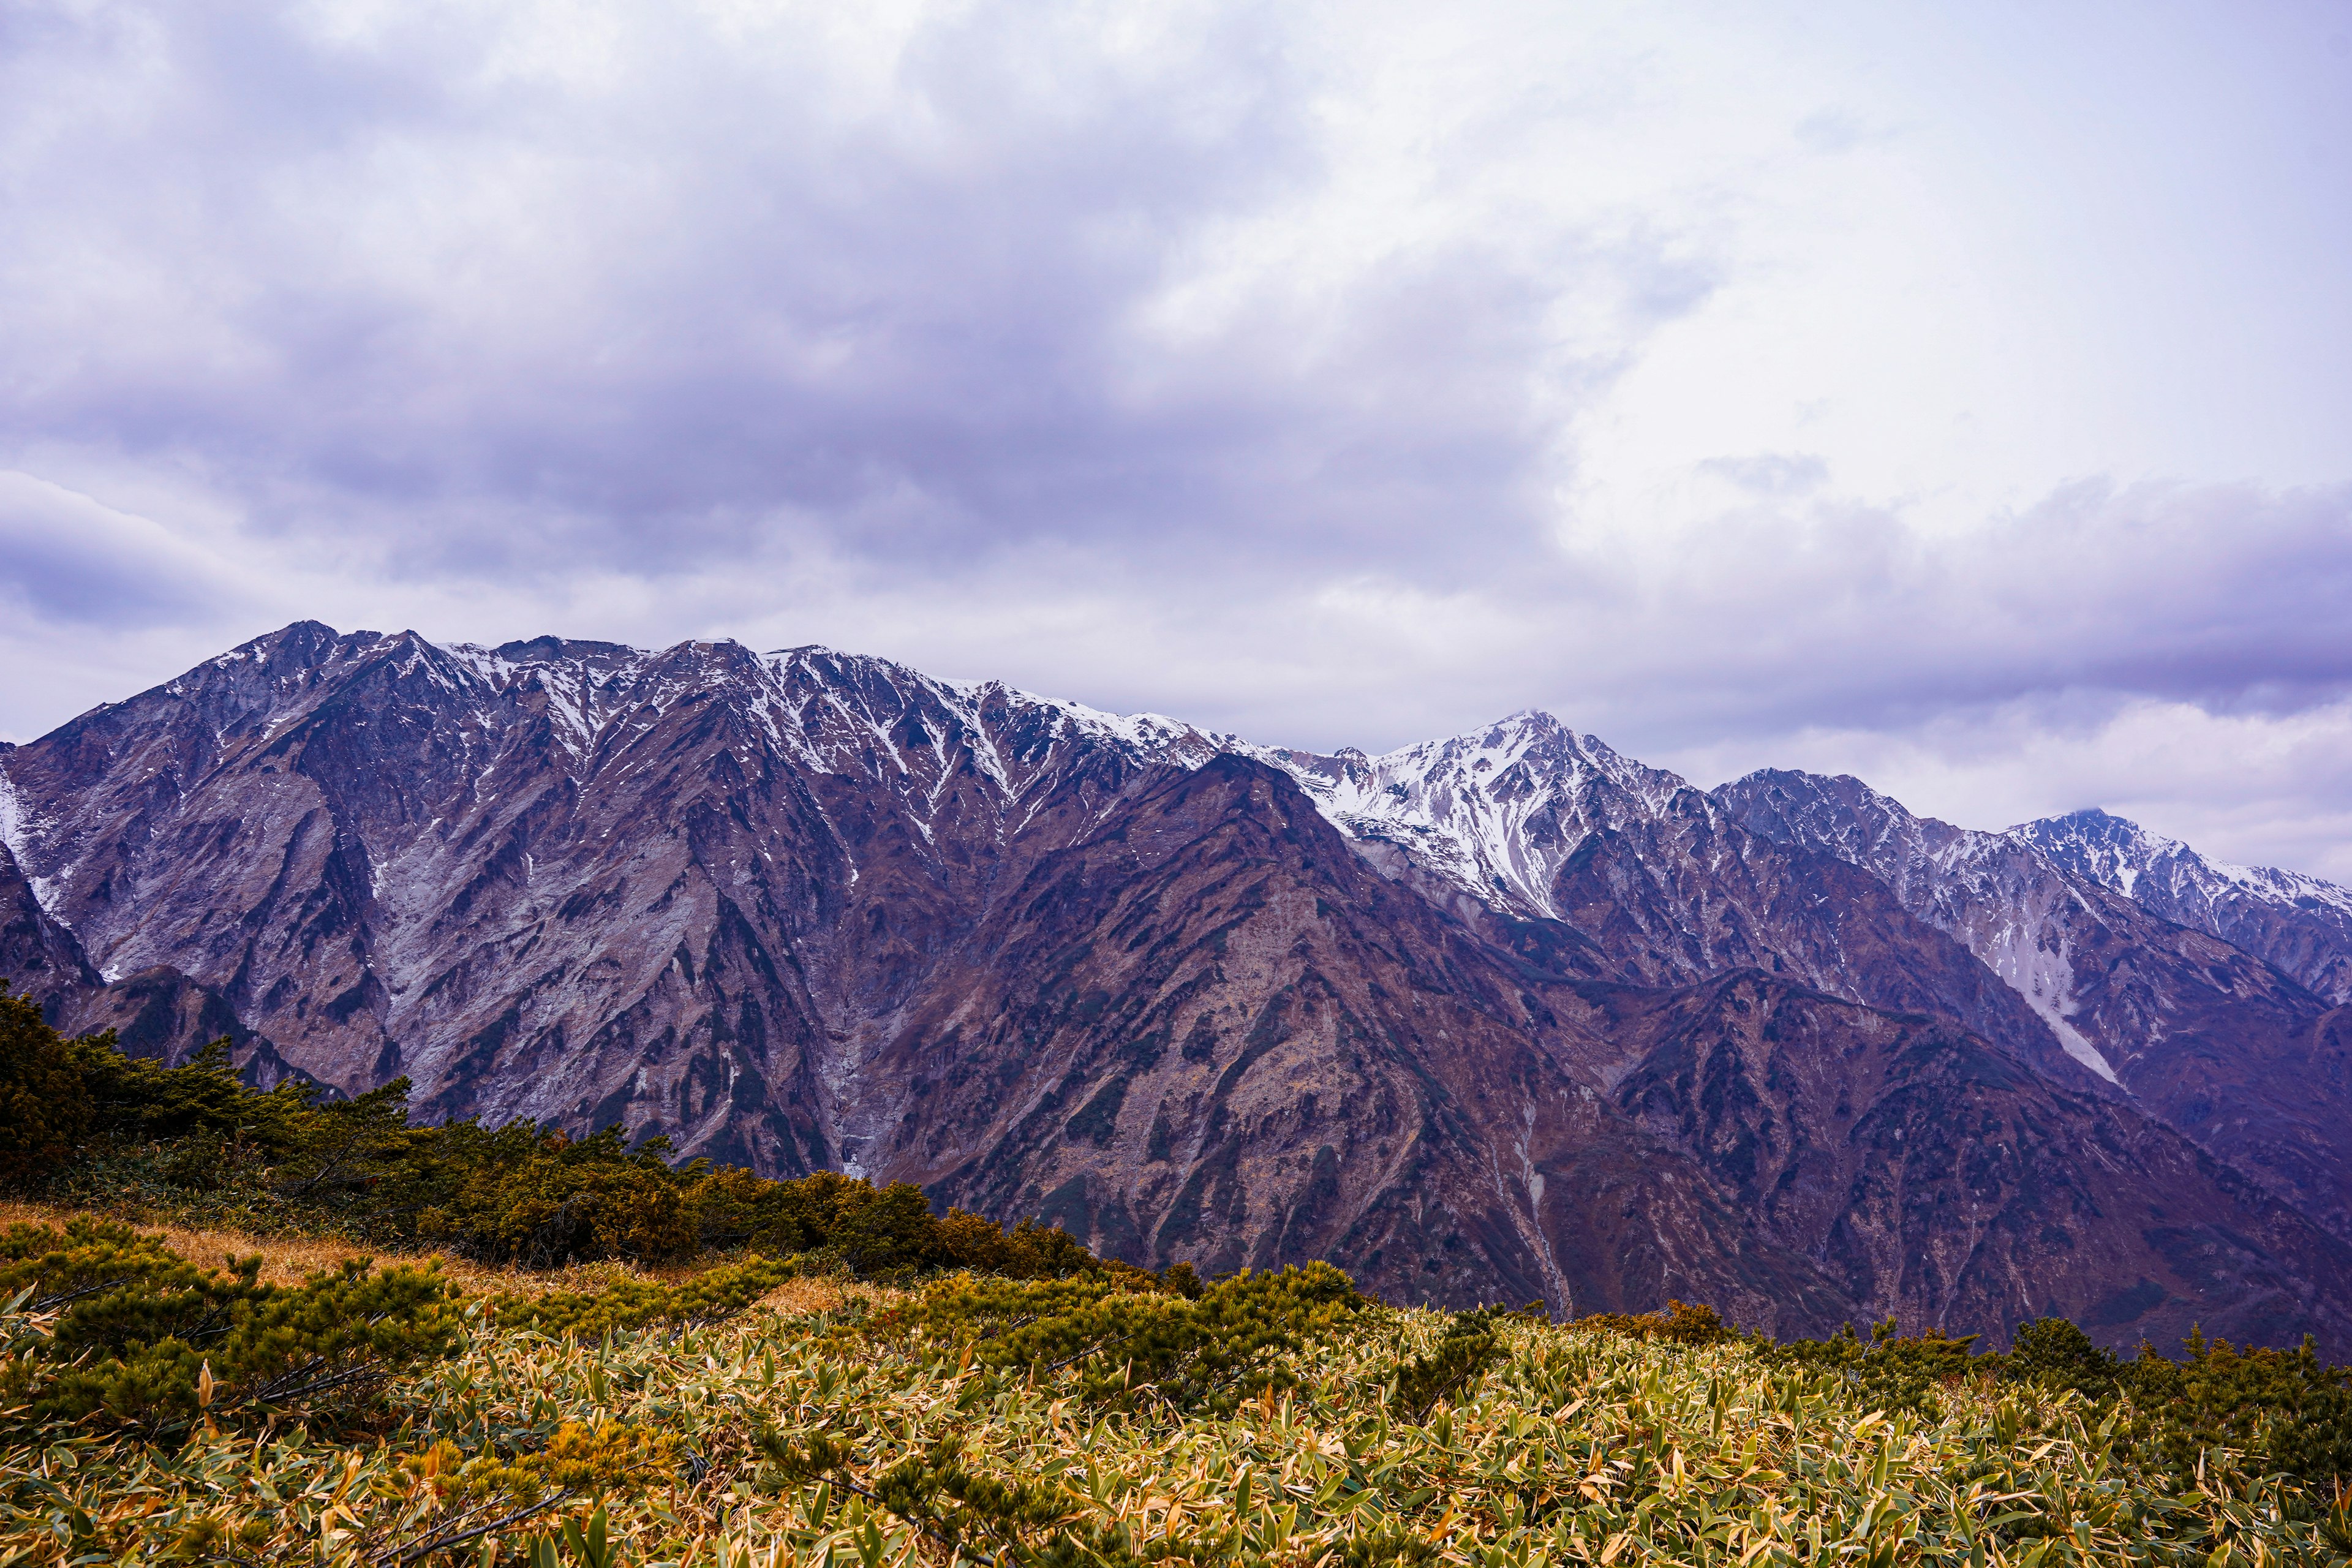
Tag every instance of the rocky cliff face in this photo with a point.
(2300, 923)
(1506, 1018)
(2208, 1037)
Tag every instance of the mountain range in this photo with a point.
(1504, 1016)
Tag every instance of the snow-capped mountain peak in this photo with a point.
(2113, 851)
(2300, 922)
(1494, 810)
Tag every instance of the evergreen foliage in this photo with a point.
(1680, 1323)
(88, 1122)
(2287, 1412)
(710, 1297)
(1131, 1339)
(2286, 1406)
(1891, 1371)
(119, 1329)
(43, 1107)
(1468, 1348)
(2056, 1353)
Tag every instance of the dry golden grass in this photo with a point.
(287, 1259)
(1591, 1448)
(800, 1298)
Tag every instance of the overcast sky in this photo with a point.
(1958, 395)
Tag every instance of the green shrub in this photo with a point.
(44, 1109)
(875, 1231)
(94, 1123)
(139, 1097)
(559, 1200)
(143, 1339)
(1680, 1323)
(1034, 1251)
(1131, 1339)
(2285, 1409)
(707, 1298)
(2054, 1353)
(1891, 1372)
(1461, 1356)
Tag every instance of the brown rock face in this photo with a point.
(1940, 1180)
(157, 1012)
(2299, 923)
(1506, 1018)
(38, 957)
(2211, 1040)
(1207, 1030)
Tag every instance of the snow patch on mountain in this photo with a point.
(2032, 956)
(2120, 854)
(19, 821)
(2301, 923)
(2007, 903)
(1496, 811)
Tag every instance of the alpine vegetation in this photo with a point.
(823, 1373)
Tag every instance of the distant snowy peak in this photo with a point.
(2300, 923)
(2120, 854)
(1845, 818)
(1495, 811)
(2004, 902)
(2109, 851)
(832, 711)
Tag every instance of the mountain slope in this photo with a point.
(1588, 864)
(1190, 997)
(491, 869)
(1210, 1026)
(1941, 1181)
(2300, 923)
(2208, 1037)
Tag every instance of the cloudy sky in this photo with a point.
(1959, 395)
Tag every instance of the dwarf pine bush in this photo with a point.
(1132, 1337)
(710, 1297)
(109, 1325)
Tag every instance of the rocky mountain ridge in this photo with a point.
(2213, 1040)
(1505, 1015)
(2301, 923)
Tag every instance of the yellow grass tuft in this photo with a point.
(289, 1259)
(805, 1297)
(799, 1298)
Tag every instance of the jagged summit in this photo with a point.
(2119, 852)
(2094, 843)
(2169, 975)
(1496, 811)
(2299, 922)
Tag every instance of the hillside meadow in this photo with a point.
(246, 1328)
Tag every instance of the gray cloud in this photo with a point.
(1771, 473)
(2226, 596)
(67, 559)
(514, 325)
